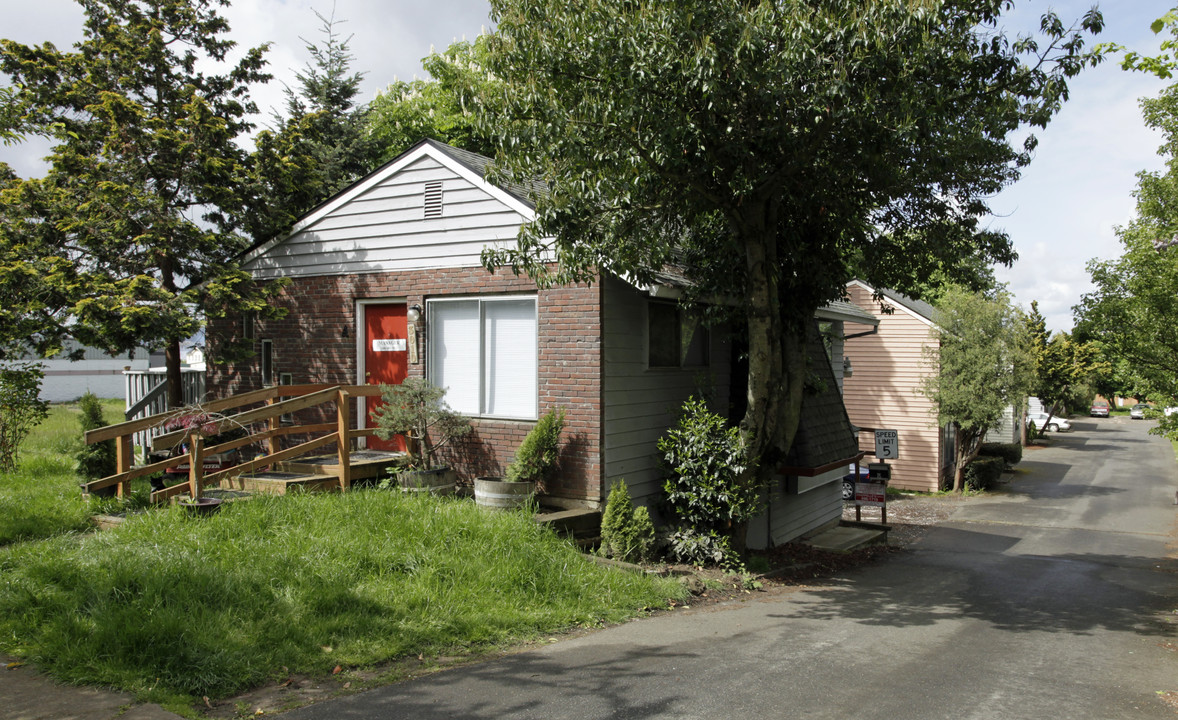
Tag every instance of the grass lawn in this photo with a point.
(41, 498)
(172, 607)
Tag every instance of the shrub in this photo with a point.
(701, 548)
(536, 456)
(707, 460)
(21, 408)
(1011, 453)
(627, 532)
(97, 460)
(983, 472)
(415, 409)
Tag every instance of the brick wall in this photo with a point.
(316, 342)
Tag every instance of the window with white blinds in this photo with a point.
(484, 352)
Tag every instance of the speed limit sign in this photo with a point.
(887, 444)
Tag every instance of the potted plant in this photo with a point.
(203, 505)
(416, 410)
(534, 462)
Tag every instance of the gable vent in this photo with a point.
(433, 199)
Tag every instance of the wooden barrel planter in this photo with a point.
(498, 494)
(440, 481)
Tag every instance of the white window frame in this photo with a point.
(483, 301)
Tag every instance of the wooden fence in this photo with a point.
(256, 413)
(147, 395)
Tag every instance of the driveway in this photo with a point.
(1054, 597)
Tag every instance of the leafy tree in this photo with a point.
(142, 196)
(1131, 311)
(1059, 362)
(980, 368)
(772, 148)
(21, 408)
(319, 147)
(1164, 62)
(442, 108)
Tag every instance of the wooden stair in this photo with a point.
(315, 474)
(275, 482)
(365, 464)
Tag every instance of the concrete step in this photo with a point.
(577, 522)
(849, 536)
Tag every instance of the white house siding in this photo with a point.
(97, 372)
(641, 403)
(792, 514)
(884, 391)
(1007, 431)
(384, 229)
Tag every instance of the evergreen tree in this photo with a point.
(320, 146)
(143, 194)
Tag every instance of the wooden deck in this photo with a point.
(320, 473)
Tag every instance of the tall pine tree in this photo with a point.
(142, 197)
(319, 146)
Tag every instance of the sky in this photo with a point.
(1060, 214)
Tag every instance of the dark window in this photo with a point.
(675, 339)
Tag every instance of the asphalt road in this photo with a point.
(1053, 599)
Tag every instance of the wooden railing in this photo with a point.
(261, 425)
(147, 394)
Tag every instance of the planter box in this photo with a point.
(501, 495)
(440, 481)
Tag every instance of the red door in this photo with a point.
(386, 359)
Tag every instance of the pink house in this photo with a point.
(884, 390)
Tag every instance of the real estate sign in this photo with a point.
(873, 494)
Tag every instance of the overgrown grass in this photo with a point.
(41, 497)
(172, 607)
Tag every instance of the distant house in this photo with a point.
(95, 372)
(884, 390)
(385, 282)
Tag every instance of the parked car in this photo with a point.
(1137, 412)
(1099, 409)
(1050, 423)
(1170, 411)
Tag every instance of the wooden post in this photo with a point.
(342, 441)
(196, 463)
(123, 451)
(274, 443)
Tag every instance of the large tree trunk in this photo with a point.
(777, 364)
(172, 369)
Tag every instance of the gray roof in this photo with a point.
(824, 435)
(480, 163)
(847, 312)
(920, 307)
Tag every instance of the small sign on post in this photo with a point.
(874, 491)
(887, 444)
